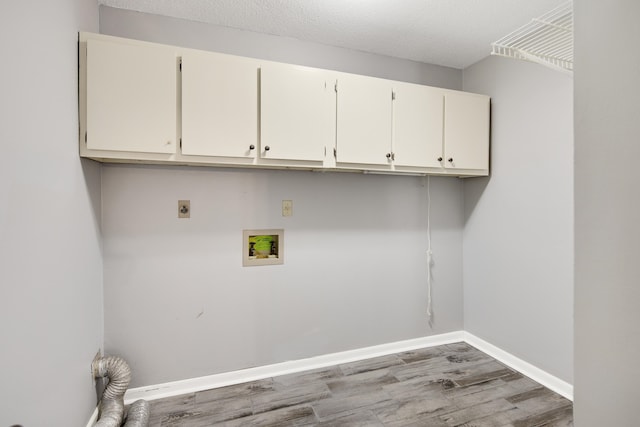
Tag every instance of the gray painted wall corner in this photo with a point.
(50, 250)
(607, 209)
(197, 35)
(518, 231)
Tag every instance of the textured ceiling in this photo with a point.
(454, 33)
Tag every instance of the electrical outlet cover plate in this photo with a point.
(184, 209)
(287, 207)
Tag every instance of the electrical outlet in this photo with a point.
(287, 207)
(184, 208)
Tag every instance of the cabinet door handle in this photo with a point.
(252, 147)
(450, 160)
(439, 159)
(267, 148)
(388, 155)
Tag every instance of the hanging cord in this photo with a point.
(429, 253)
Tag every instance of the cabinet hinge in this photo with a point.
(180, 64)
(181, 143)
(85, 137)
(393, 95)
(335, 87)
(335, 153)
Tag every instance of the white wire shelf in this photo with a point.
(547, 40)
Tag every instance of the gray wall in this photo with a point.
(518, 235)
(179, 304)
(50, 255)
(180, 32)
(607, 204)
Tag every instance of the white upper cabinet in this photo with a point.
(364, 118)
(466, 131)
(298, 118)
(145, 102)
(219, 105)
(417, 125)
(130, 98)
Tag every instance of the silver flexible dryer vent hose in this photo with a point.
(138, 415)
(112, 403)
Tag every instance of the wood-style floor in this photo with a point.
(445, 386)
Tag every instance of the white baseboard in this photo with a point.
(561, 387)
(176, 388)
(94, 418)
(192, 385)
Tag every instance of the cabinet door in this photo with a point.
(219, 105)
(466, 131)
(363, 120)
(131, 97)
(417, 125)
(297, 112)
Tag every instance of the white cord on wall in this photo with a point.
(429, 253)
